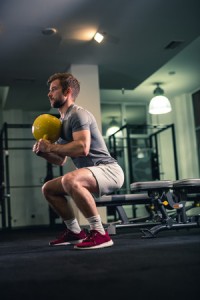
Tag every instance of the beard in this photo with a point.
(58, 103)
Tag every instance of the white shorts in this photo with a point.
(110, 178)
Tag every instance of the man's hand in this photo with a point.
(42, 146)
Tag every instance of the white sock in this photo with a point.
(73, 225)
(96, 224)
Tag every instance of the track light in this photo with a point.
(159, 104)
(98, 37)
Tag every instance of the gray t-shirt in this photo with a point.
(76, 119)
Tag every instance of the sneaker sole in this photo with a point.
(104, 245)
(60, 244)
(67, 243)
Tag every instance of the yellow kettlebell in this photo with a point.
(46, 127)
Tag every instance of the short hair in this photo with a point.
(66, 80)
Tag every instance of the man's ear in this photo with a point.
(67, 91)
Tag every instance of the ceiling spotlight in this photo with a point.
(49, 31)
(98, 37)
(159, 104)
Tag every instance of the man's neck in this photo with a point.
(63, 110)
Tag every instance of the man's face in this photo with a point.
(56, 96)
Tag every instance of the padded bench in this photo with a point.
(164, 196)
(118, 201)
(169, 195)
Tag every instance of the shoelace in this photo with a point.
(90, 236)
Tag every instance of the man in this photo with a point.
(97, 172)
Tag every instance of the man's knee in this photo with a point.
(69, 182)
(46, 188)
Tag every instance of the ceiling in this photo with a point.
(146, 41)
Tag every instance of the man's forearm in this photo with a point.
(72, 149)
(53, 158)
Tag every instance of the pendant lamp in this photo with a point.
(159, 104)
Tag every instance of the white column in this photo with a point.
(185, 137)
(89, 98)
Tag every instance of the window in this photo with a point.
(122, 114)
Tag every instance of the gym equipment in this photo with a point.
(167, 196)
(47, 127)
(162, 199)
(167, 200)
(188, 190)
(15, 144)
(117, 202)
(146, 139)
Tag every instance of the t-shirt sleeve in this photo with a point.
(80, 121)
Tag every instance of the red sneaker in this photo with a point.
(68, 237)
(95, 240)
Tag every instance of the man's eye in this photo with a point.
(52, 90)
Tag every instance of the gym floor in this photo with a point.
(164, 267)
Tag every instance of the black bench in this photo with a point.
(170, 195)
(164, 196)
(117, 202)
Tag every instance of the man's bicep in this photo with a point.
(84, 136)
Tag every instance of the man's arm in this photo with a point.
(53, 158)
(57, 153)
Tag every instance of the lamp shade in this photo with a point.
(159, 105)
(111, 130)
(113, 127)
